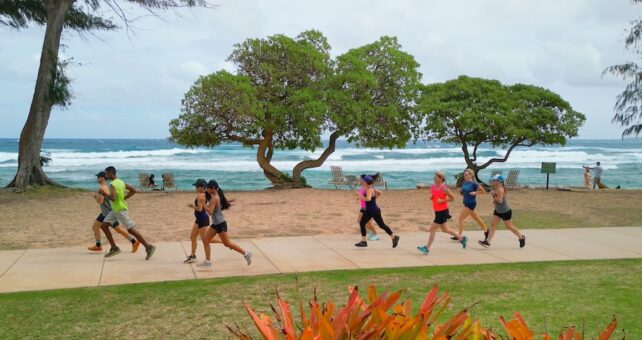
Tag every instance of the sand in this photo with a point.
(43, 221)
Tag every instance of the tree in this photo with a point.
(628, 105)
(52, 85)
(289, 92)
(472, 111)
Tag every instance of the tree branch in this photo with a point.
(505, 158)
(314, 163)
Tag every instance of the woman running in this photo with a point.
(202, 219)
(440, 195)
(372, 211)
(502, 211)
(215, 207)
(470, 189)
(105, 208)
(372, 232)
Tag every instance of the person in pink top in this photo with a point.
(440, 195)
(372, 232)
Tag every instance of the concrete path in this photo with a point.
(40, 269)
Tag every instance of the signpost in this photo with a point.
(548, 168)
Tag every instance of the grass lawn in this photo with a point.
(550, 295)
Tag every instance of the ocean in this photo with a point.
(74, 162)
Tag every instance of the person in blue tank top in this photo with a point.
(470, 189)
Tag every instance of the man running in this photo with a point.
(119, 213)
(105, 208)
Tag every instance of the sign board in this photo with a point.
(548, 168)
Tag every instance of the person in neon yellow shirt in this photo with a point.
(118, 198)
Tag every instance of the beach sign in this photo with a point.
(548, 168)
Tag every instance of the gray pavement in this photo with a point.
(42, 269)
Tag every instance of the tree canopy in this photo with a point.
(52, 84)
(288, 92)
(628, 104)
(473, 111)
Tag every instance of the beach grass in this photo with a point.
(550, 295)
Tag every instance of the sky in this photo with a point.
(130, 84)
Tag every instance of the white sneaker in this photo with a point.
(373, 237)
(205, 263)
(248, 258)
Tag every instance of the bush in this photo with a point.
(379, 317)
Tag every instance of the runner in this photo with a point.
(469, 190)
(202, 219)
(371, 232)
(105, 208)
(119, 213)
(440, 195)
(502, 211)
(215, 208)
(372, 211)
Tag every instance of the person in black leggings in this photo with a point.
(373, 212)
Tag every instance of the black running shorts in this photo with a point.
(504, 216)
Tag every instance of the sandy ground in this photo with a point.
(41, 220)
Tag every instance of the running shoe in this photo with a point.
(361, 244)
(423, 249)
(190, 259)
(454, 238)
(464, 241)
(484, 243)
(486, 234)
(373, 237)
(248, 258)
(150, 251)
(95, 248)
(205, 263)
(113, 251)
(135, 246)
(395, 241)
(522, 241)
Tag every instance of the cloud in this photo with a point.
(140, 79)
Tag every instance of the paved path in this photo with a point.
(39, 269)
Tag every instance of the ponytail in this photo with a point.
(225, 204)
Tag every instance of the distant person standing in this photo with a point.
(118, 213)
(587, 177)
(597, 176)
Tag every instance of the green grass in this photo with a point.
(550, 295)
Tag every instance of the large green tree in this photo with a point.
(474, 111)
(289, 92)
(52, 85)
(628, 105)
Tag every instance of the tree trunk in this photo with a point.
(470, 163)
(264, 156)
(29, 169)
(315, 163)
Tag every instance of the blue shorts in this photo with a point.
(470, 205)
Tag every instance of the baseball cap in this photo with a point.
(368, 179)
(200, 183)
(498, 178)
(212, 184)
(101, 174)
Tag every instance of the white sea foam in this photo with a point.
(237, 158)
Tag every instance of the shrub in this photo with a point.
(380, 318)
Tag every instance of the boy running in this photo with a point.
(105, 208)
(119, 213)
